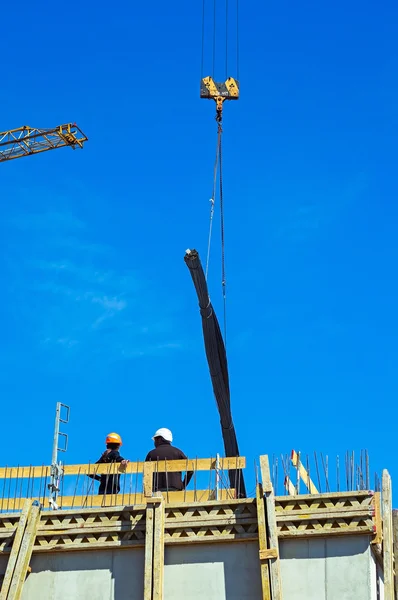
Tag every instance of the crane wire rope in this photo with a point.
(237, 41)
(226, 39)
(217, 169)
(227, 10)
(223, 280)
(203, 40)
(212, 201)
(214, 36)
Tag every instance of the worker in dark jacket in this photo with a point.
(167, 482)
(110, 484)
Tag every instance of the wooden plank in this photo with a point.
(83, 525)
(221, 521)
(148, 478)
(388, 554)
(135, 508)
(322, 514)
(119, 500)
(199, 496)
(148, 569)
(162, 466)
(207, 539)
(263, 543)
(103, 469)
(265, 474)
(324, 532)
(18, 503)
(44, 471)
(289, 487)
(131, 544)
(24, 472)
(132, 509)
(296, 462)
(276, 579)
(267, 554)
(20, 530)
(90, 546)
(204, 539)
(216, 503)
(158, 551)
(25, 553)
(395, 547)
(7, 533)
(89, 529)
(378, 537)
(326, 496)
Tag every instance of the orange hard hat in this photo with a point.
(113, 438)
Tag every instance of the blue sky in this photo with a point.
(98, 309)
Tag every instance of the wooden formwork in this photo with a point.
(155, 522)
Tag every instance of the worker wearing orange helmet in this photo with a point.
(110, 484)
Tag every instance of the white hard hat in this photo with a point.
(164, 433)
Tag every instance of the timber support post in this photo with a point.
(154, 549)
(388, 553)
(395, 547)
(270, 515)
(272, 530)
(21, 552)
(264, 550)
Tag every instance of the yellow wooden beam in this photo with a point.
(148, 478)
(148, 568)
(395, 546)
(270, 515)
(24, 556)
(289, 487)
(161, 466)
(388, 552)
(95, 500)
(267, 554)
(296, 462)
(15, 549)
(378, 538)
(263, 543)
(24, 472)
(158, 551)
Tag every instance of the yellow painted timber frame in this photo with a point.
(161, 466)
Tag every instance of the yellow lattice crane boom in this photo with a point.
(25, 141)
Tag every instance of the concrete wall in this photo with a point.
(335, 568)
(91, 575)
(212, 572)
(205, 571)
(378, 579)
(338, 568)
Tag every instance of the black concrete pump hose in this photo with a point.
(218, 366)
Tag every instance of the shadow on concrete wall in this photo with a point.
(334, 568)
(213, 571)
(102, 575)
(312, 548)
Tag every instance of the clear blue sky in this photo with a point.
(98, 309)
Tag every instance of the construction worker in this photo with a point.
(167, 482)
(110, 484)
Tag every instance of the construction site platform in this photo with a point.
(330, 546)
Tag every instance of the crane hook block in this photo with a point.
(228, 90)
